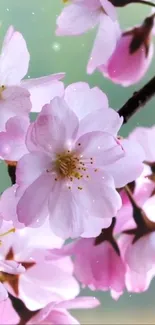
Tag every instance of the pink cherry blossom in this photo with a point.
(142, 191)
(81, 15)
(8, 315)
(97, 266)
(140, 256)
(71, 164)
(14, 63)
(136, 55)
(12, 141)
(43, 281)
(56, 313)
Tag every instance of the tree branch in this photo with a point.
(137, 101)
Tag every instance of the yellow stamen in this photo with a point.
(8, 232)
(66, 165)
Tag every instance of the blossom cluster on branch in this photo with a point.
(73, 176)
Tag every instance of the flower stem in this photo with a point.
(137, 101)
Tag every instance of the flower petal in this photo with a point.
(103, 119)
(144, 136)
(109, 8)
(33, 203)
(104, 44)
(12, 142)
(30, 167)
(55, 128)
(76, 20)
(44, 89)
(65, 215)
(79, 303)
(41, 285)
(15, 101)
(11, 267)
(140, 256)
(84, 100)
(98, 197)
(53, 316)
(98, 149)
(93, 226)
(129, 167)
(14, 58)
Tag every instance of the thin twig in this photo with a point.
(137, 101)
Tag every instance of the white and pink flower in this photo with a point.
(42, 281)
(79, 16)
(96, 265)
(75, 163)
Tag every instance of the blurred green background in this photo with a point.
(35, 19)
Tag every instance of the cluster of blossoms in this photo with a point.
(74, 177)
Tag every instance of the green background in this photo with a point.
(35, 19)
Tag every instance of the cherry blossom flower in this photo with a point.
(142, 190)
(139, 253)
(96, 265)
(56, 313)
(12, 141)
(8, 315)
(75, 163)
(136, 51)
(43, 281)
(14, 62)
(80, 16)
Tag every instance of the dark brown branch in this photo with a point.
(137, 101)
(122, 3)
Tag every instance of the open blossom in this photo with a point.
(143, 189)
(56, 313)
(96, 265)
(75, 163)
(12, 140)
(42, 281)
(14, 62)
(136, 51)
(139, 251)
(80, 16)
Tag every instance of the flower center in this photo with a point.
(67, 165)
